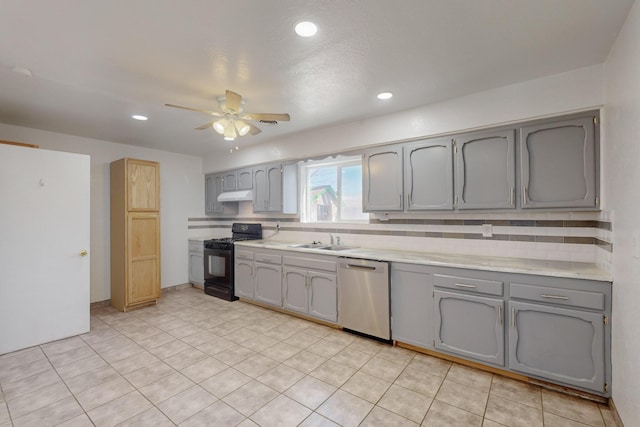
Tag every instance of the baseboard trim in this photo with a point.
(614, 412)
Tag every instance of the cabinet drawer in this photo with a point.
(490, 287)
(268, 258)
(570, 297)
(310, 263)
(196, 246)
(240, 254)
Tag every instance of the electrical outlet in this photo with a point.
(278, 226)
(487, 230)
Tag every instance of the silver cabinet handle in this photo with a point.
(513, 317)
(513, 195)
(463, 285)
(524, 195)
(554, 297)
(500, 314)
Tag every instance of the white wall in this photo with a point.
(181, 192)
(621, 158)
(575, 90)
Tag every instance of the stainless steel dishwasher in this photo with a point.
(363, 297)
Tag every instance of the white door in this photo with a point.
(44, 229)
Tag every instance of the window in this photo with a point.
(332, 190)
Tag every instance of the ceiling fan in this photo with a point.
(232, 119)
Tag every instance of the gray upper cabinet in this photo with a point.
(245, 178)
(382, 179)
(469, 325)
(558, 164)
(213, 187)
(428, 175)
(559, 344)
(485, 165)
(267, 188)
(229, 181)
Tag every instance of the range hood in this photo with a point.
(236, 196)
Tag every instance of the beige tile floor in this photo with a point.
(194, 360)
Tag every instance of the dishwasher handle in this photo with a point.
(361, 267)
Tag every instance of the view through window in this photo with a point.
(332, 190)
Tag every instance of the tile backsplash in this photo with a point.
(566, 236)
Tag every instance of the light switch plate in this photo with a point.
(487, 230)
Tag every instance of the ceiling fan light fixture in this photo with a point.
(242, 127)
(220, 126)
(230, 133)
(306, 29)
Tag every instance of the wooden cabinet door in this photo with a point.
(411, 305)
(143, 185)
(268, 283)
(323, 296)
(382, 179)
(295, 289)
(428, 168)
(143, 257)
(245, 179)
(230, 181)
(485, 164)
(559, 165)
(243, 279)
(558, 344)
(470, 325)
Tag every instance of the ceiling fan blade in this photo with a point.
(254, 129)
(206, 125)
(267, 117)
(233, 101)
(213, 113)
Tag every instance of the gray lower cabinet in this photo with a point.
(558, 164)
(267, 188)
(382, 179)
(485, 165)
(469, 325)
(310, 286)
(412, 304)
(244, 281)
(428, 175)
(196, 262)
(268, 280)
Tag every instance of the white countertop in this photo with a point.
(568, 269)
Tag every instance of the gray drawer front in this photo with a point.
(240, 254)
(570, 297)
(490, 287)
(196, 246)
(268, 258)
(310, 263)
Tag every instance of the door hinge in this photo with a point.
(455, 146)
(433, 294)
(596, 121)
(597, 200)
(606, 320)
(433, 343)
(606, 387)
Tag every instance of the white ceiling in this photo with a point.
(96, 62)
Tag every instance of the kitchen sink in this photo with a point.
(324, 247)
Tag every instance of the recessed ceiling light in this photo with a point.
(139, 117)
(385, 95)
(306, 29)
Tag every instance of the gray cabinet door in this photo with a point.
(260, 189)
(323, 296)
(243, 278)
(558, 164)
(268, 283)
(295, 288)
(428, 169)
(411, 305)
(274, 190)
(230, 181)
(558, 344)
(470, 326)
(245, 179)
(213, 188)
(485, 165)
(382, 179)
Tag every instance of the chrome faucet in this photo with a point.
(331, 238)
(338, 240)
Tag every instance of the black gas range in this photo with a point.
(218, 260)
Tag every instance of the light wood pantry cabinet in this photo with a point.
(559, 164)
(485, 166)
(135, 233)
